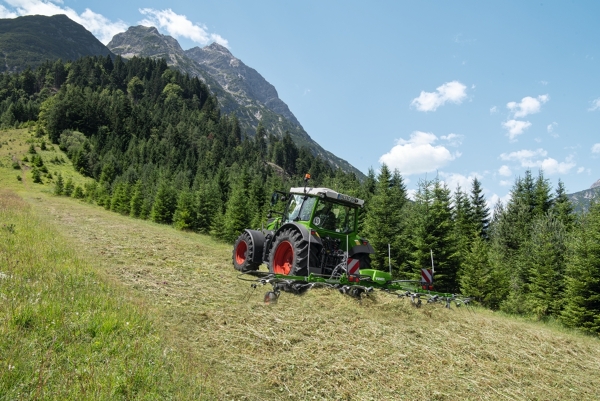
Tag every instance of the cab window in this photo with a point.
(334, 217)
(300, 208)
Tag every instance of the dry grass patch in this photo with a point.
(322, 345)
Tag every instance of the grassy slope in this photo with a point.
(228, 345)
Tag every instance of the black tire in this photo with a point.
(289, 254)
(243, 253)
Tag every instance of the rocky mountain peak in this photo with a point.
(595, 185)
(218, 48)
(145, 41)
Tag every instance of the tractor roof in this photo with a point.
(329, 193)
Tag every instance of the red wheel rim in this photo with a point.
(283, 259)
(240, 252)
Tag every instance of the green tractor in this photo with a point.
(315, 234)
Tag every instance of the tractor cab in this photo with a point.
(323, 210)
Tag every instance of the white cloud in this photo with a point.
(454, 92)
(493, 110)
(505, 171)
(528, 105)
(505, 183)
(453, 139)
(179, 26)
(551, 127)
(4, 13)
(595, 105)
(453, 180)
(537, 159)
(418, 154)
(100, 26)
(544, 83)
(523, 155)
(515, 128)
(580, 170)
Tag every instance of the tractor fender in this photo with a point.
(303, 230)
(258, 243)
(361, 249)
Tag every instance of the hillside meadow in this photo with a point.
(96, 305)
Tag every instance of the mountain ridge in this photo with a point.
(29, 41)
(240, 89)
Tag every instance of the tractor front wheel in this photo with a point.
(243, 252)
(289, 254)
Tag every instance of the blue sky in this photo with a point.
(451, 88)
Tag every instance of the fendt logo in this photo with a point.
(347, 198)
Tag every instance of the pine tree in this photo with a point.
(69, 187)
(239, 210)
(383, 223)
(36, 175)
(480, 213)
(475, 273)
(185, 214)
(582, 293)
(137, 200)
(59, 185)
(562, 207)
(164, 204)
(546, 252)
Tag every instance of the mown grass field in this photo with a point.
(95, 305)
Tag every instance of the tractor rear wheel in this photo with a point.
(243, 253)
(289, 254)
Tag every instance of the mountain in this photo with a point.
(239, 88)
(31, 40)
(581, 200)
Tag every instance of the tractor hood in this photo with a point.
(329, 193)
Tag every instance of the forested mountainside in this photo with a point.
(31, 40)
(239, 89)
(158, 148)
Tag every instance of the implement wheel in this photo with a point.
(243, 252)
(289, 254)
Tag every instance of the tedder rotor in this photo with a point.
(314, 242)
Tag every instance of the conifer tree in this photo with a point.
(69, 187)
(562, 207)
(164, 204)
(185, 213)
(59, 185)
(582, 294)
(383, 223)
(239, 210)
(137, 200)
(480, 213)
(475, 274)
(546, 251)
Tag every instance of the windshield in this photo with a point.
(334, 217)
(299, 208)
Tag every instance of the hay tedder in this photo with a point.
(313, 243)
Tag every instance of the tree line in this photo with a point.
(158, 148)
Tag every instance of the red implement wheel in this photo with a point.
(289, 254)
(243, 252)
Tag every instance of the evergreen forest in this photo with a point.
(157, 147)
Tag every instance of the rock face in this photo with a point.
(581, 200)
(33, 39)
(241, 81)
(240, 89)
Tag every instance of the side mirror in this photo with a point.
(277, 197)
(274, 198)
